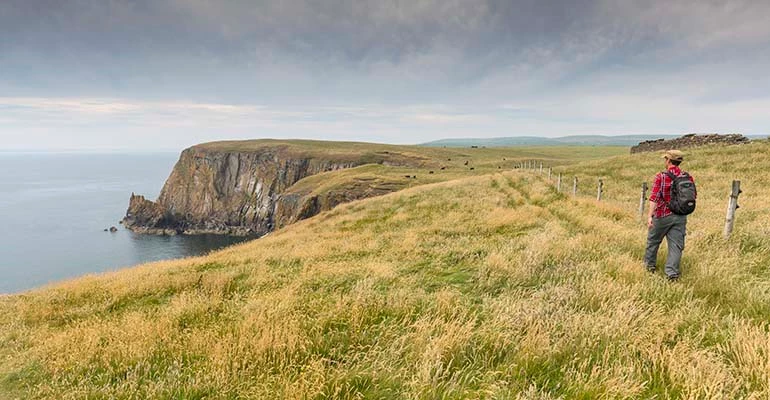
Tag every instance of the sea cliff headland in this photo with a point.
(245, 187)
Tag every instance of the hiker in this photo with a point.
(672, 199)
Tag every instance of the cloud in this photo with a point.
(123, 123)
(123, 73)
(130, 124)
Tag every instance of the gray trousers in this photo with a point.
(673, 228)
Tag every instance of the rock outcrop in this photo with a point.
(242, 188)
(690, 140)
(296, 204)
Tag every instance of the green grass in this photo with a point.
(480, 157)
(485, 285)
(414, 166)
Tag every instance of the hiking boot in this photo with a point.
(673, 278)
(650, 268)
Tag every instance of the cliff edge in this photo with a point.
(242, 187)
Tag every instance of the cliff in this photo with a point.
(690, 140)
(242, 188)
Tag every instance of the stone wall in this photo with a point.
(690, 140)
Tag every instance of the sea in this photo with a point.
(54, 208)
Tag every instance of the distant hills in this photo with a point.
(577, 140)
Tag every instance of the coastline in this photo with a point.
(55, 207)
(117, 269)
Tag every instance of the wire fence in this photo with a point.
(538, 167)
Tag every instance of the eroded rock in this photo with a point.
(240, 192)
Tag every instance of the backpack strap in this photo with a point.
(673, 176)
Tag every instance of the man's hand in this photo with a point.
(653, 206)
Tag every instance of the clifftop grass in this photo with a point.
(437, 164)
(489, 286)
(431, 156)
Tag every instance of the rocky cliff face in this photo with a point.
(227, 191)
(294, 205)
(690, 140)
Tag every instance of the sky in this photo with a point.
(167, 74)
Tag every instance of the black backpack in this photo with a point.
(682, 194)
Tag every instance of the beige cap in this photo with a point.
(674, 155)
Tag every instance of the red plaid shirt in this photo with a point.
(661, 191)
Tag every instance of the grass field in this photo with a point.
(485, 286)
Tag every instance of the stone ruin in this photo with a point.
(690, 140)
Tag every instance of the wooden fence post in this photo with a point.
(558, 183)
(599, 190)
(541, 167)
(732, 205)
(643, 200)
(574, 186)
(549, 173)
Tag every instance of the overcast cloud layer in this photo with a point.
(165, 74)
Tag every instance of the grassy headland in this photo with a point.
(485, 286)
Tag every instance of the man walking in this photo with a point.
(672, 198)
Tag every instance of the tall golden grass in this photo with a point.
(493, 286)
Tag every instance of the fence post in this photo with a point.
(599, 190)
(541, 167)
(558, 184)
(549, 173)
(643, 200)
(732, 205)
(574, 186)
